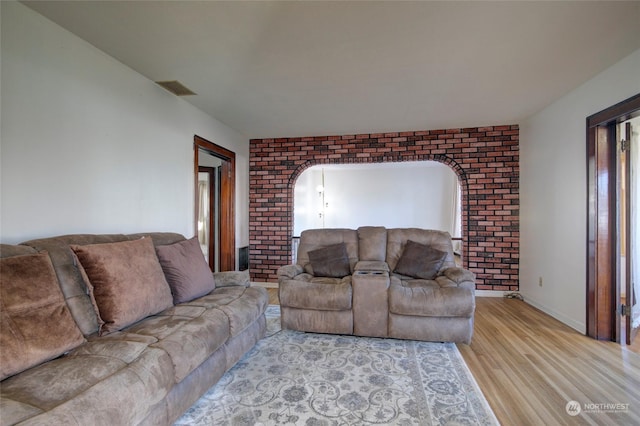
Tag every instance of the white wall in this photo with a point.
(553, 192)
(416, 194)
(306, 202)
(89, 145)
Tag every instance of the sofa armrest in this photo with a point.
(459, 275)
(232, 278)
(290, 271)
(371, 265)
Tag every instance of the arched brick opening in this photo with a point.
(486, 160)
(451, 163)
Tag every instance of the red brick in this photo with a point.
(490, 192)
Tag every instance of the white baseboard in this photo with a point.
(490, 293)
(264, 284)
(576, 325)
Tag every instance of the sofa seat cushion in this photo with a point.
(124, 377)
(324, 294)
(428, 298)
(189, 334)
(125, 347)
(165, 323)
(242, 305)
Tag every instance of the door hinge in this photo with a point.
(624, 145)
(625, 310)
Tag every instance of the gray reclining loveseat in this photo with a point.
(400, 283)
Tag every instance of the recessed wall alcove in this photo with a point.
(485, 159)
(425, 194)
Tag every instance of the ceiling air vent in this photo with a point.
(176, 88)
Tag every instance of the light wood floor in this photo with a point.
(529, 365)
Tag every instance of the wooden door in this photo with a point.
(631, 219)
(603, 307)
(227, 178)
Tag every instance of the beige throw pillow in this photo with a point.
(35, 323)
(125, 281)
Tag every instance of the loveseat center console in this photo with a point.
(370, 303)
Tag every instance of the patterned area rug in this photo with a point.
(298, 378)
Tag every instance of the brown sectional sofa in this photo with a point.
(146, 373)
(400, 283)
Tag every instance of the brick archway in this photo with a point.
(486, 161)
(443, 159)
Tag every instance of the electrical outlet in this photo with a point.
(540, 281)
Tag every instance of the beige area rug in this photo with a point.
(293, 378)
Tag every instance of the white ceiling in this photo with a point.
(281, 69)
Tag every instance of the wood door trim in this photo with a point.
(620, 112)
(602, 213)
(629, 332)
(603, 282)
(227, 257)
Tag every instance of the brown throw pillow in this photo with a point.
(125, 281)
(330, 261)
(420, 261)
(186, 270)
(35, 323)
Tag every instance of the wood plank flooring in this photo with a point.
(529, 366)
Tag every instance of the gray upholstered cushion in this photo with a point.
(186, 270)
(330, 261)
(419, 261)
(35, 323)
(126, 281)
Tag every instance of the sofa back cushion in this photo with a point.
(125, 280)
(9, 250)
(313, 239)
(439, 240)
(372, 243)
(35, 323)
(72, 284)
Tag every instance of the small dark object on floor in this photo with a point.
(513, 296)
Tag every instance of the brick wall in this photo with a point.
(486, 160)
